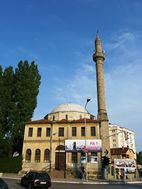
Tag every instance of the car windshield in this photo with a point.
(41, 175)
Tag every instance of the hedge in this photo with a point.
(10, 164)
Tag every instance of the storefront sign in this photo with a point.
(129, 165)
(83, 145)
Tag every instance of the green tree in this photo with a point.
(8, 100)
(27, 81)
(18, 99)
(1, 101)
(139, 158)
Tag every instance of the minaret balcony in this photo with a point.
(98, 55)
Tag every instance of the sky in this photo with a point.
(59, 36)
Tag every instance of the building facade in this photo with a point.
(121, 137)
(47, 142)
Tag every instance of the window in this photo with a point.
(39, 132)
(53, 118)
(66, 117)
(37, 155)
(48, 130)
(74, 157)
(82, 131)
(73, 131)
(28, 155)
(46, 155)
(30, 134)
(93, 131)
(61, 131)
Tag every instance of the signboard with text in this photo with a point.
(83, 145)
(129, 165)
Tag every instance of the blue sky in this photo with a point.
(59, 36)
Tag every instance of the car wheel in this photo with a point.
(29, 186)
(21, 183)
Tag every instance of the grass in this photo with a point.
(10, 164)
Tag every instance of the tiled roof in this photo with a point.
(116, 151)
(41, 121)
(45, 121)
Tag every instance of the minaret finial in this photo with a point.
(98, 48)
(97, 35)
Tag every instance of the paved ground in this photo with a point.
(15, 184)
(76, 181)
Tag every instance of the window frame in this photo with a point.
(39, 132)
(61, 132)
(74, 131)
(48, 131)
(37, 155)
(83, 131)
(30, 132)
(93, 131)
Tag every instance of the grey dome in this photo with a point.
(69, 108)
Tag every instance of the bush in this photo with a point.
(10, 164)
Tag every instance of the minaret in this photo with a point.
(99, 57)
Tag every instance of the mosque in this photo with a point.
(69, 136)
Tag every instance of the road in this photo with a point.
(15, 184)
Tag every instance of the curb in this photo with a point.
(83, 182)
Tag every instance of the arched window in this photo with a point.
(37, 155)
(46, 155)
(28, 155)
(60, 147)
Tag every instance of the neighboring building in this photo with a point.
(123, 152)
(121, 137)
(45, 140)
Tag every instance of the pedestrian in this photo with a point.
(83, 173)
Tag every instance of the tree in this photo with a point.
(27, 81)
(1, 112)
(139, 158)
(18, 99)
(8, 104)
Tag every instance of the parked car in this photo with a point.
(3, 184)
(35, 179)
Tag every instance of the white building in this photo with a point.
(121, 137)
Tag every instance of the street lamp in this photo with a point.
(86, 158)
(51, 134)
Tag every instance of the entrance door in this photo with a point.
(60, 161)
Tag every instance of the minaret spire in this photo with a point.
(99, 57)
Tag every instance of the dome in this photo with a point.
(69, 108)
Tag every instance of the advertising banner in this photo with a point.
(83, 145)
(129, 165)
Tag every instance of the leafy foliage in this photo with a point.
(18, 99)
(139, 158)
(10, 164)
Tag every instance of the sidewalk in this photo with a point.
(75, 181)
